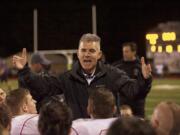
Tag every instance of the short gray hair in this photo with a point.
(88, 37)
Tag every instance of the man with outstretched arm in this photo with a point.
(87, 73)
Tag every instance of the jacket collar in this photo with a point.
(76, 71)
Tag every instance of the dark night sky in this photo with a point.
(61, 23)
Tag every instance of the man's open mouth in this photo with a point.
(87, 61)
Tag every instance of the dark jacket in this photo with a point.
(39, 100)
(76, 89)
(133, 70)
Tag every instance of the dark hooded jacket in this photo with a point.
(133, 70)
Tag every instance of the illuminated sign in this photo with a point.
(168, 38)
(160, 49)
(152, 38)
(169, 49)
(153, 48)
(178, 48)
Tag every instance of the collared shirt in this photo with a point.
(89, 77)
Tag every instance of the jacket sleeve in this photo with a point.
(40, 86)
(21, 82)
(131, 88)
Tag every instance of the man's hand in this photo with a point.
(146, 69)
(20, 61)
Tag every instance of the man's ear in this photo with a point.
(78, 53)
(155, 123)
(100, 54)
(24, 108)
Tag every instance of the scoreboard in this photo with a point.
(163, 48)
(162, 42)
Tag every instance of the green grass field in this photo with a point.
(10, 85)
(162, 90)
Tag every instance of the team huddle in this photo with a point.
(93, 98)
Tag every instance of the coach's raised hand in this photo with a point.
(146, 68)
(20, 61)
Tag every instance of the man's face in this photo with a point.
(37, 68)
(88, 54)
(128, 54)
(2, 96)
(30, 104)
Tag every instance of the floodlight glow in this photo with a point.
(152, 38)
(169, 49)
(153, 48)
(160, 49)
(168, 36)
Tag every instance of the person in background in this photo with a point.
(131, 64)
(4, 71)
(2, 96)
(39, 65)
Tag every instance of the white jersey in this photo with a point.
(26, 124)
(91, 126)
